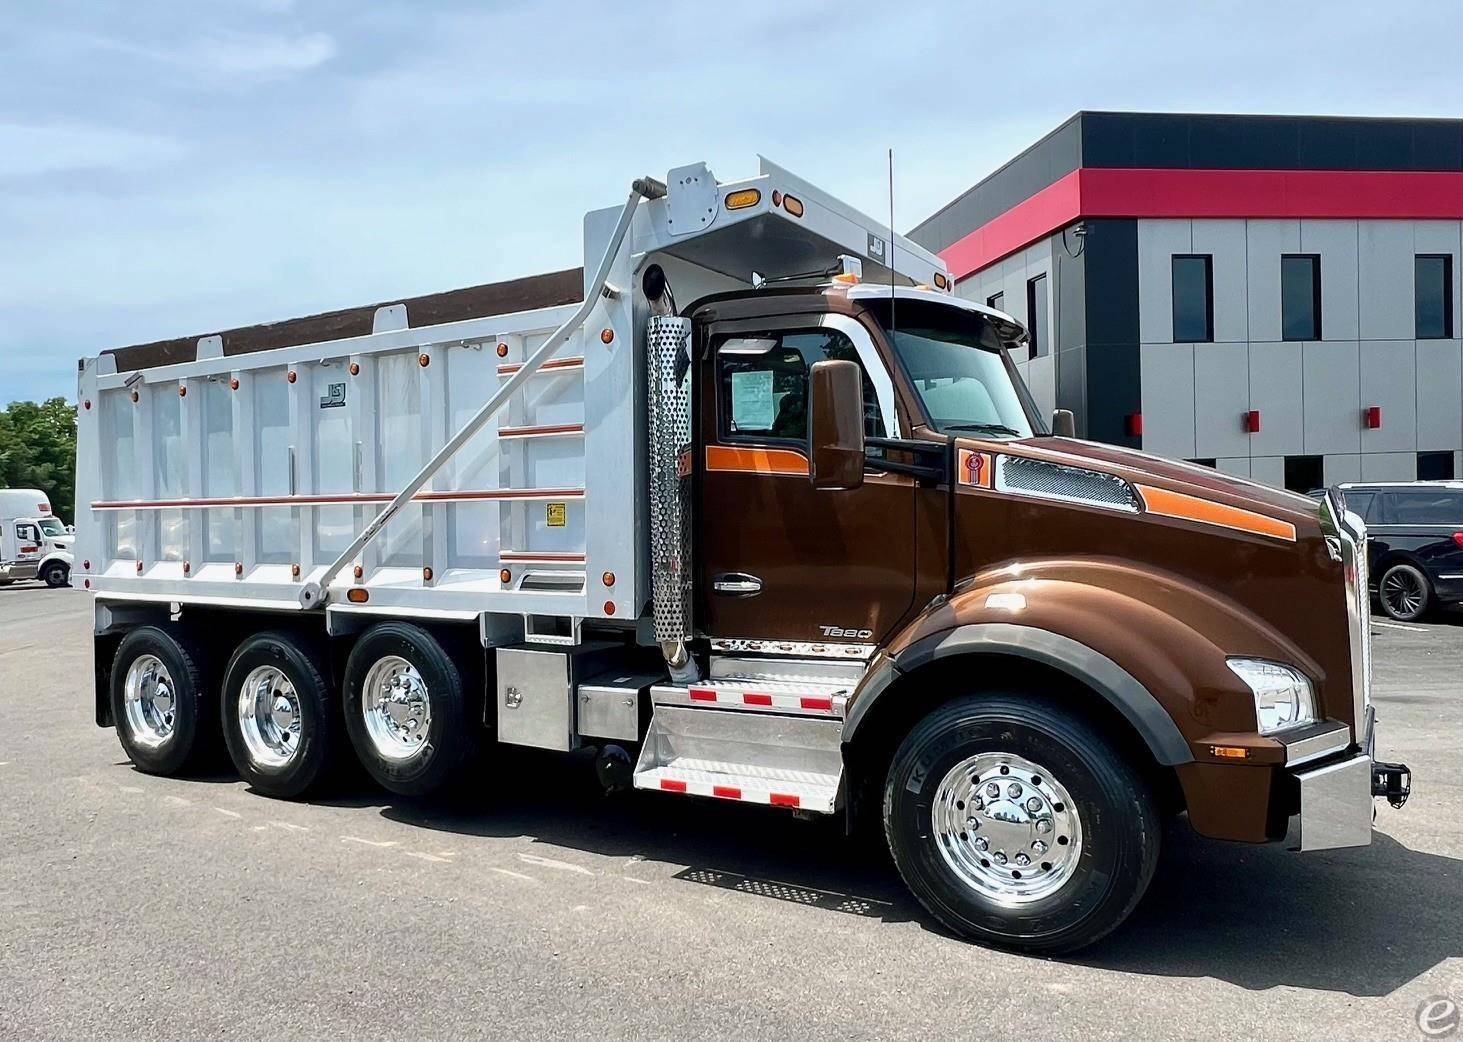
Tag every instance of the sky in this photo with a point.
(172, 169)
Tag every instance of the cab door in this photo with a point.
(777, 559)
(27, 544)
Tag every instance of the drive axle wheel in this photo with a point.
(281, 720)
(1017, 823)
(405, 709)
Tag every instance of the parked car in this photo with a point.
(1414, 543)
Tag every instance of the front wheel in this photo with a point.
(56, 574)
(1404, 592)
(1018, 824)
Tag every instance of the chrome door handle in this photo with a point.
(737, 584)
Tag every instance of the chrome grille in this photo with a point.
(1350, 532)
(1043, 480)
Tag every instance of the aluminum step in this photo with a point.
(781, 759)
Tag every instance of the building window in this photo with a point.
(1434, 296)
(1300, 297)
(1304, 474)
(1036, 316)
(1435, 466)
(997, 301)
(1193, 299)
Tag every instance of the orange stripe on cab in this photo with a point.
(755, 461)
(1167, 503)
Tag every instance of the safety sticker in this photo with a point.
(556, 515)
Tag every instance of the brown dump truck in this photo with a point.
(802, 542)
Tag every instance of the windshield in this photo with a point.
(52, 526)
(954, 360)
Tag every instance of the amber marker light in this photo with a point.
(941, 282)
(357, 595)
(1230, 752)
(847, 278)
(502, 350)
(607, 335)
(182, 390)
(426, 575)
(744, 198)
(609, 607)
(424, 360)
(355, 369)
(793, 205)
(290, 376)
(608, 578)
(238, 568)
(295, 571)
(358, 571)
(504, 576)
(234, 384)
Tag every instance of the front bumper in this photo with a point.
(1334, 799)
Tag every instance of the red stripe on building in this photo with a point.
(1256, 194)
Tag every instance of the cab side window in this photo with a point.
(27, 534)
(762, 384)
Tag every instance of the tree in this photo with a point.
(38, 450)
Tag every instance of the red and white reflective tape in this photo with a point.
(731, 792)
(733, 697)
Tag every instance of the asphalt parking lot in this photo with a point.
(531, 906)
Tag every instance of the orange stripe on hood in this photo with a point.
(1167, 503)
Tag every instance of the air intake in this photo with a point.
(1042, 480)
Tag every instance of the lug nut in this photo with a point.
(972, 823)
(981, 843)
(993, 790)
(1039, 847)
(1022, 860)
(999, 857)
(1033, 804)
(1043, 825)
(1013, 790)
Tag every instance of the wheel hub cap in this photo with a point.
(150, 701)
(269, 717)
(1006, 828)
(397, 708)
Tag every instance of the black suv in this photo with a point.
(1414, 542)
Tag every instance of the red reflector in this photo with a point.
(1252, 421)
(1457, 538)
(752, 699)
(701, 694)
(671, 785)
(726, 792)
(824, 704)
(1135, 425)
(782, 799)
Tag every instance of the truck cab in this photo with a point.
(34, 544)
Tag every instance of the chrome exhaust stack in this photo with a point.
(667, 342)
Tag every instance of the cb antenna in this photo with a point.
(890, 258)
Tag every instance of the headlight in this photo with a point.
(1283, 697)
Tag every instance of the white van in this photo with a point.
(34, 543)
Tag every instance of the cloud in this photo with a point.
(29, 150)
(264, 56)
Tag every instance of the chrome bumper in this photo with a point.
(1335, 799)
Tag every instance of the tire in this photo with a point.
(281, 721)
(417, 739)
(1088, 867)
(56, 574)
(1405, 593)
(167, 723)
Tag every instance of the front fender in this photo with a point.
(1151, 643)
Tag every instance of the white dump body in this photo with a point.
(235, 479)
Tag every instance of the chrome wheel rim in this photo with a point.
(269, 717)
(1006, 828)
(151, 701)
(1403, 593)
(397, 708)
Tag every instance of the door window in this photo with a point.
(762, 384)
(28, 536)
(1441, 507)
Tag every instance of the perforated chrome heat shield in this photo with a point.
(668, 341)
